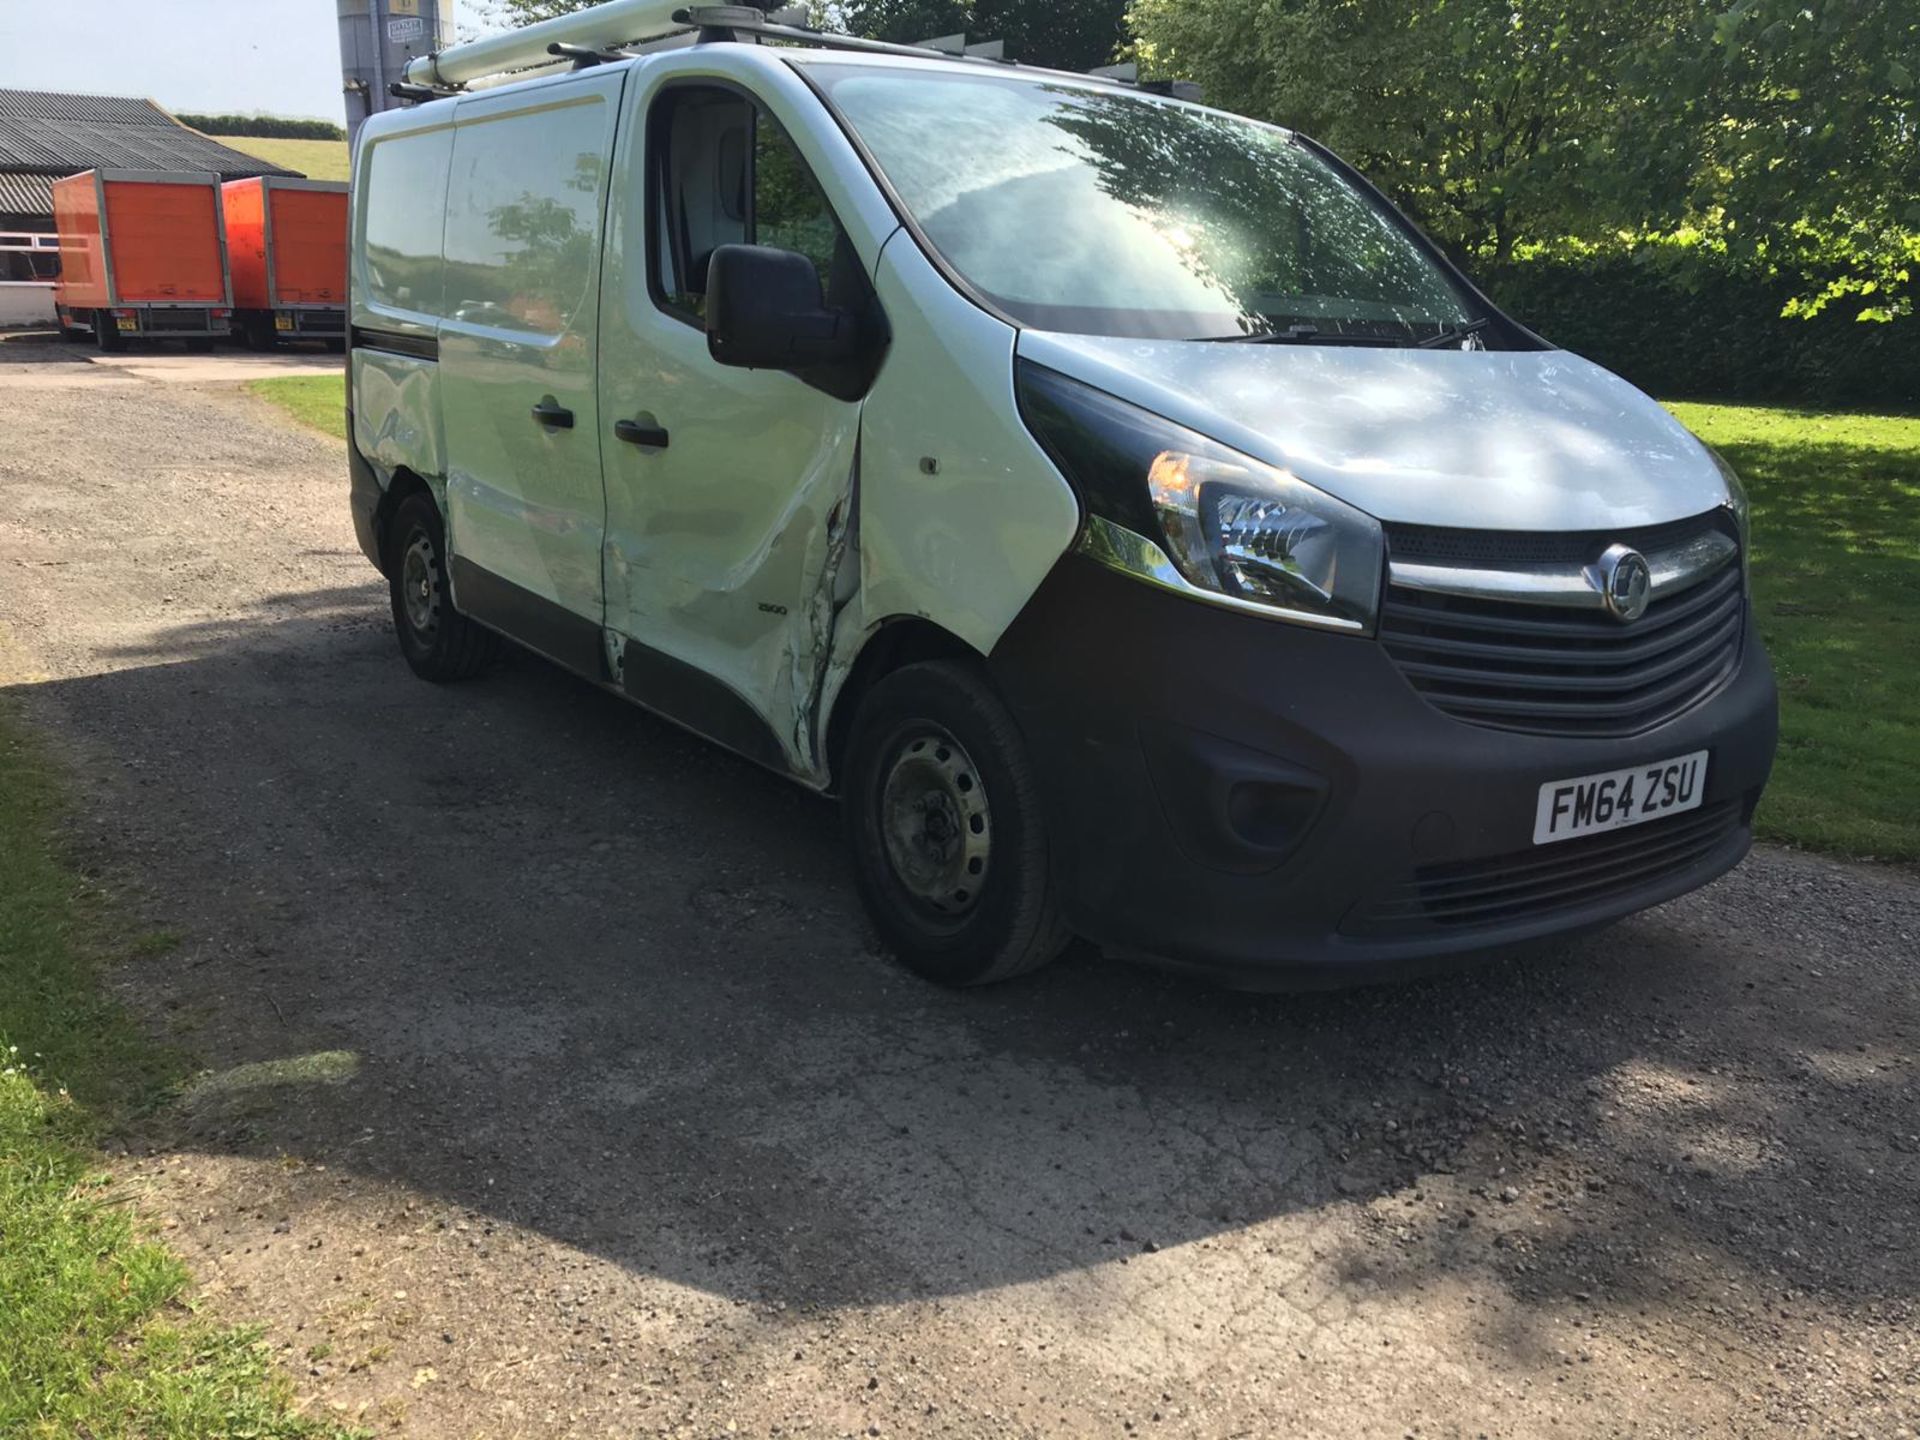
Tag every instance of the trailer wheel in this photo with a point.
(106, 333)
(439, 642)
(943, 815)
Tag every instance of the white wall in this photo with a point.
(25, 303)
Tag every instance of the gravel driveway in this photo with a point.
(556, 1089)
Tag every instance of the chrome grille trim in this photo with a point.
(1539, 653)
(1569, 586)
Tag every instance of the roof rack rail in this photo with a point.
(605, 27)
(719, 22)
(585, 55)
(600, 34)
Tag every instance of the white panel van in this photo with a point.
(1144, 530)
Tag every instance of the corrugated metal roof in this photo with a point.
(55, 105)
(47, 133)
(26, 194)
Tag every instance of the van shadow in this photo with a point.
(576, 971)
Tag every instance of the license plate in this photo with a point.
(1613, 799)
(127, 323)
(283, 322)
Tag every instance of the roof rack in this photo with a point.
(602, 33)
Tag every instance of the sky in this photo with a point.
(278, 57)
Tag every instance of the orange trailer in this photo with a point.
(288, 242)
(142, 253)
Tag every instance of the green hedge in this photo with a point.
(1712, 335)
(271, 127)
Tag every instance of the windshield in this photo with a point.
(1103, 212)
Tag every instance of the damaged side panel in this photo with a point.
(728, 552)
(396, 413)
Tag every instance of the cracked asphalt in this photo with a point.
(554, 1086)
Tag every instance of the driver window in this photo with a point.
(725, 173)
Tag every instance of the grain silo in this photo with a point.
(377, 39)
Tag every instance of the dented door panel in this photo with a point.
(730, 549)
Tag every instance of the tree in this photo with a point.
(1064, 35)
(1786, 132)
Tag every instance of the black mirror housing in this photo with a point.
(766, 311)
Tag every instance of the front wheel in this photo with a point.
(943, 815)
(439, 642)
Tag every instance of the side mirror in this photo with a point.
(765, 311)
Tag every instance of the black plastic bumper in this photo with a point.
(1246, 797)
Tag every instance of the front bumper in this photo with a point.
(1277, 805)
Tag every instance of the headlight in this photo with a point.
(1176, 508)
(1737, 503)
(1736, 494)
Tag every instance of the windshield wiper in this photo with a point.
(1454, 334)
(1295, 335)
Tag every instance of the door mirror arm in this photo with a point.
(766, 311)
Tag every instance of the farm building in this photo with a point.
(45, 135)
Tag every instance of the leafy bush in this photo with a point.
(273, 127)
(1711, 330)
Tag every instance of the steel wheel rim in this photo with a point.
(418, 593)
(935, 822)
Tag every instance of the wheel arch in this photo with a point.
(403, 485)
(896, 641)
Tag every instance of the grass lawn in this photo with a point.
(316, 400)
(1836, 592)
(315, 159)
(1836, 582)
(94, 1338)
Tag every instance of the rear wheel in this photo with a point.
(943, 816)
(106, 332)
(439, 642)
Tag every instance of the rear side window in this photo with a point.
(725, 173)
(403, 200)
(523, 215)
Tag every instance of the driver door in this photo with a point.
(729, 491)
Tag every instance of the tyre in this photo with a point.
(200, 345)
(439, 642)
(106, 332)
(943, 816)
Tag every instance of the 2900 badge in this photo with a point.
(1616, 798)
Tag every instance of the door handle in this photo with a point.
(547, 412)
(634, 433)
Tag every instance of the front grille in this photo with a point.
(1545, 879)
(1551, 670)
